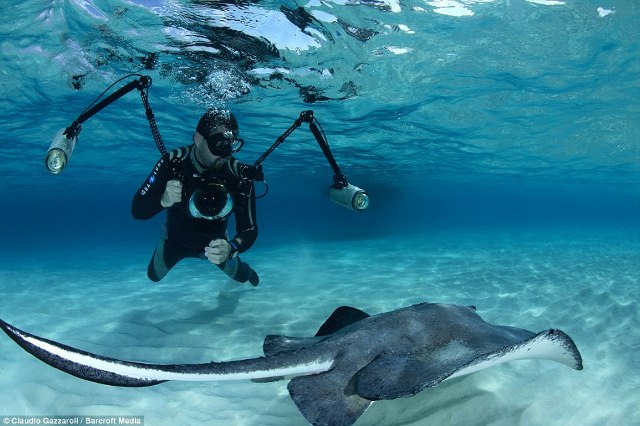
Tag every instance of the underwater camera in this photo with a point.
(209, 200)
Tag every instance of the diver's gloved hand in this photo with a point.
(252, 172)
(218, 251)
(172, 193)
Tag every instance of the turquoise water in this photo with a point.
(498, 142)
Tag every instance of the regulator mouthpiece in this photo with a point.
(59, 152)
(350, 196)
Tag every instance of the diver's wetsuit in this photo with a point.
(184, 235)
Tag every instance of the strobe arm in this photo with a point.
(339, 180)
(64, 142)
(72, 131)
(341, 192)
(304, 116)
(307, 117)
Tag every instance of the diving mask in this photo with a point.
(225, 143)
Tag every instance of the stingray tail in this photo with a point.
(78, 363)
(115, 372)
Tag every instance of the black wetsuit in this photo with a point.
(184, 235)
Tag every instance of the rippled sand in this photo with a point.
(586, 286)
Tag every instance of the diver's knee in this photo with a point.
(157, 268)
(151, 273)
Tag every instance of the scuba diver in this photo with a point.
(200, 185)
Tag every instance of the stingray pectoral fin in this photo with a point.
(115, 372)
(392, 376)
(552, 345)
(325, 399)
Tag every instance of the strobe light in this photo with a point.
(349, 196)
(59, 152)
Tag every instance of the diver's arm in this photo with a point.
(147, 200)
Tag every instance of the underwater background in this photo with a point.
(499, 142)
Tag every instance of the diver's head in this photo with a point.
(219, 130)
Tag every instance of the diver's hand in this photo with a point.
(172, 193)
(217, 251)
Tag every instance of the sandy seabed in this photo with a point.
(587, 286)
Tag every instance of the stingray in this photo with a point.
(353, 359)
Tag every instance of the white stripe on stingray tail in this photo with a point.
(110, 371)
